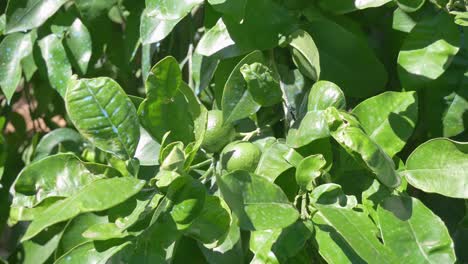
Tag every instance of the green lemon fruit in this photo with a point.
(240, 156)
(217, 135)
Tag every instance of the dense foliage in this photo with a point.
(267, 131)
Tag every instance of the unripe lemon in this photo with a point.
(217, 135)
(240, 156)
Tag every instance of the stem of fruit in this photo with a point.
(304, 212)
(201, 164)
(207, 175)
(247, 136)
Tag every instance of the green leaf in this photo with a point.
(428, 50)
(39, 249)
(312, 127)
(91, 253)
(325, 94)
(166, 9)
(237, 102)
(23, 15)
(101, 195)
(78, 40)
(65, 176)
(59, 138)
(272, 162)
(103, 114)
(355, 230)
(261, 32)
(230, 250)
(444, 173)
(411, 229)
(212, 225)
(454, 119)
(217, 39)
(2, 24)
(154, 29)
(277, 245)
(347, 60)
(403, 21)
(389, 119)
(58, 66)
(187, 197)
(166, 108)
(308, 170)
(147, 151)
(123, 216)
(156, 244)
(13, 49)
(346, 6)
(72, 236)
(232, 8)
(257, 202)
(357, 143)
(262, 84)
(161, 16)
(305, 54)
(410, 5)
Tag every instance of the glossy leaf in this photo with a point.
(166, 108)
(55, 139)
(411, 229)
(454, 119)
(58, 66)
(312, 127)
(257, 202)
(161, 16)
(90, 253)
(66, 175)
(341, 7)
(305, 54)
(325, 94)
(72, 235)
(103, 114)
(277, 245)
(13, 49)
(217, 39)
(272, 162)
(237, 102)
(428, 50)
(23, 15)
(354, 229)
(444, 173)
(393, 123)
(79, 43)
(147, 151)
(356, 142)
(98, 196)
(308, 170)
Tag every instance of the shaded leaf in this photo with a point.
(257, 202)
